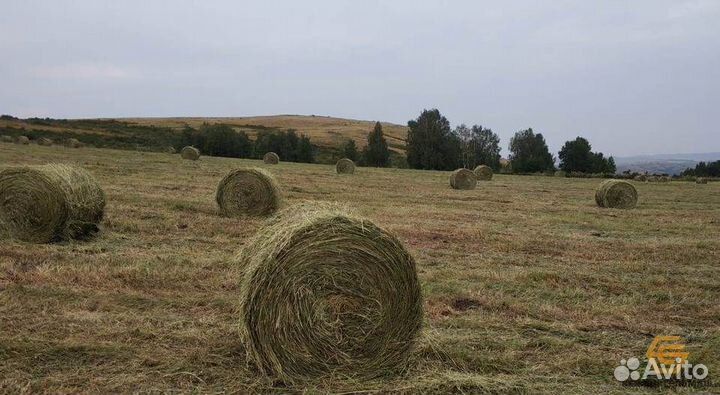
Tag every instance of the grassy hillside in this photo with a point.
(528, 286)
(327, 134)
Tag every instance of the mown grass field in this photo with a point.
(528, 286)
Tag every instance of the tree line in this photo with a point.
(703, 169)
(433, 145)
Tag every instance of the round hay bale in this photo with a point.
(51, 202)
(616, 194)
(7, 139)
(640, 177)
(190, 153)
(327, 293)
(345, 166)
(170, 150)
(44, 141)
(23, 140)
(483, 173)
(652, 179)
(252, 192)
(560, 173)
(271, 158)
(701, 180)
(463, 179)
(74, 143)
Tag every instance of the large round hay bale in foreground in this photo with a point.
(52, 202)
(345, 166)
(271, 158)
(463, 179)
(328, 294)
(24, 140)
(483, 173)
(190, 153)
(701, 180)
(44, 141)
(252, 192)
(616, 194)
(7, 139)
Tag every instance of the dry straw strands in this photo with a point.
(190, 153)
(51, 202)
(23, 140)
(616, 194)
(271, 158)
(701, 180)
(250, 192)
(44, 141)
(328, 294)
(345, 166)
(483, 173)
(463, 179)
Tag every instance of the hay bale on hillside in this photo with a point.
(251, 192)
(7, 139)
(560, 173)
(640, 177)
(616, 194)
(24, 140)
(74, 143)
(44, 141)
(326, 293)
(345, 166)
(271, 158)
(483, 173)
(190, 153)
(51, 202)
(701, 180)
(463, 179)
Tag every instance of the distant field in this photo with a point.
(528, 286)
(326, 133)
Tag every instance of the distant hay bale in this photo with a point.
(483, 173)
(23, 140)
(665, 179)
(560, 173)
(345, 166)
(7, 139)
(701, 180)
(252, 192)
(190, 153)
(74, 143)
(463, 179)
(52, 202)
(640, 177)
(170, 150)
(616, 194)
(328, 294)
(44, 141)
(271, 158)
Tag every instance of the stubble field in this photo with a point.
(528, 286)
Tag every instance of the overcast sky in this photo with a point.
(634, 77)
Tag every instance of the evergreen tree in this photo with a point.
(350, 151)
(529, 153)
(576, 156)
(430, 143)
(223, 140)
(376, 152)
(305, 152)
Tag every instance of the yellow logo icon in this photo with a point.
(666, 350)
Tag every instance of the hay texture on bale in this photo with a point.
(701, 180)
(74, 143)
(251, 192)
(345, 166)
(7, 139)
(483, 173)
(640, 177)
(190, 153)
(328, 294)
(271, 158)
(23, 140)
(44, 141)
(463, 179)
(616, 194)
(52, 202)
